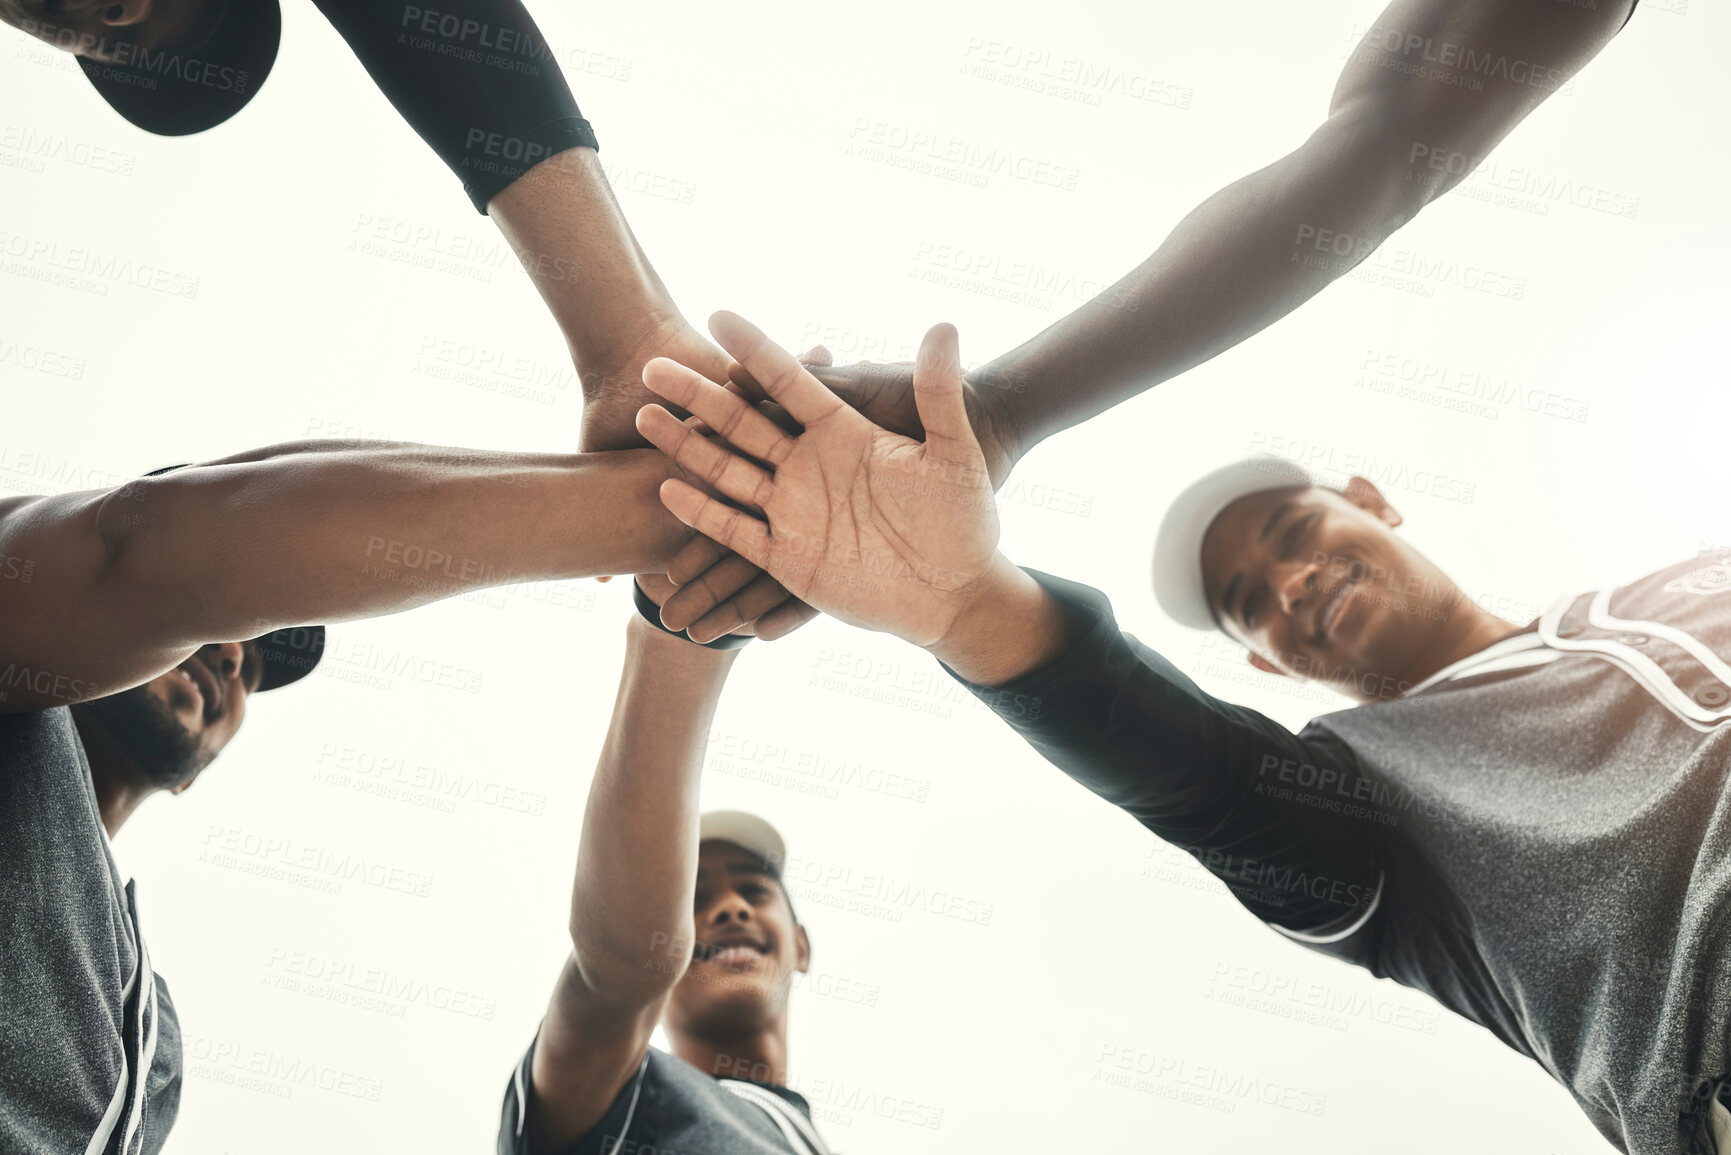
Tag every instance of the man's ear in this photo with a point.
(1265, 665)
(803, 944)
(1362, 493)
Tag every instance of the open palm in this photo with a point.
(872, 527)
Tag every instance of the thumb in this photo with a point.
(938, 397)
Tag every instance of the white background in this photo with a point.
(1081, 943)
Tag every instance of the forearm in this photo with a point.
(631, 902)
(1221, 782)
(1010, 627)
(231, 551)
(572, 239)
(1240, 261)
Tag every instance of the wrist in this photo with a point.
(1009, 626)
(658, 645)
(990, 398)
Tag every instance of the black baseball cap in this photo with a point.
(289, 655)
(180, 89)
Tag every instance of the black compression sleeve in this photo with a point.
(1202, 774)
(474, 77)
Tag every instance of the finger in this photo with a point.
(782, 377)
(734, 528)
(727, 413)
(656, 586)
(759, 597)
(781, 417)
(938, 397)
(741, 377)
(817, 355)
(720, 468)
(693, 558)
(785, 619)
(713, 587)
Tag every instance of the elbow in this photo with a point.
(627, 978)
(136, 526)
(1378, 164)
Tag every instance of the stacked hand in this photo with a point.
(704, 582)
(878, 529)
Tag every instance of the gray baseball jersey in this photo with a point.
(89, 1043)
(1539, 837)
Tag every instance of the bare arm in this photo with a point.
(631, 902)
(572, 239)
(126, 583)
(1238, 262)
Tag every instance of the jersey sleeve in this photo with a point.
(475, 78)
(1214, 779)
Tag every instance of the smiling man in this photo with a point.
(90, 1043)
(119, 680)
(678, 920)
(1526, 821)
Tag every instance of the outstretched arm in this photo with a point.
(1401, 130)
(899, 536)
(126, 583)
(631, 903)
(510, 129)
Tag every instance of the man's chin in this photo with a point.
(145, 731)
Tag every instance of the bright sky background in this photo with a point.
(1079, 942)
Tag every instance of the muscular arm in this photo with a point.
(1209, 777)
(1237, 263)
(631, 901)
(480, 84)
(125, 583)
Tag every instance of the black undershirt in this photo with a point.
(474, 77)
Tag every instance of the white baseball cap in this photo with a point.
(746, 831)
(1178, 544)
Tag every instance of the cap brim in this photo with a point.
(180, 90)
(1178, 544)
(746, 831)
(289, 655)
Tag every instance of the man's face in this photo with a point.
(110, 29)
(1317, 585)
(748, 946)
(173, 726)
